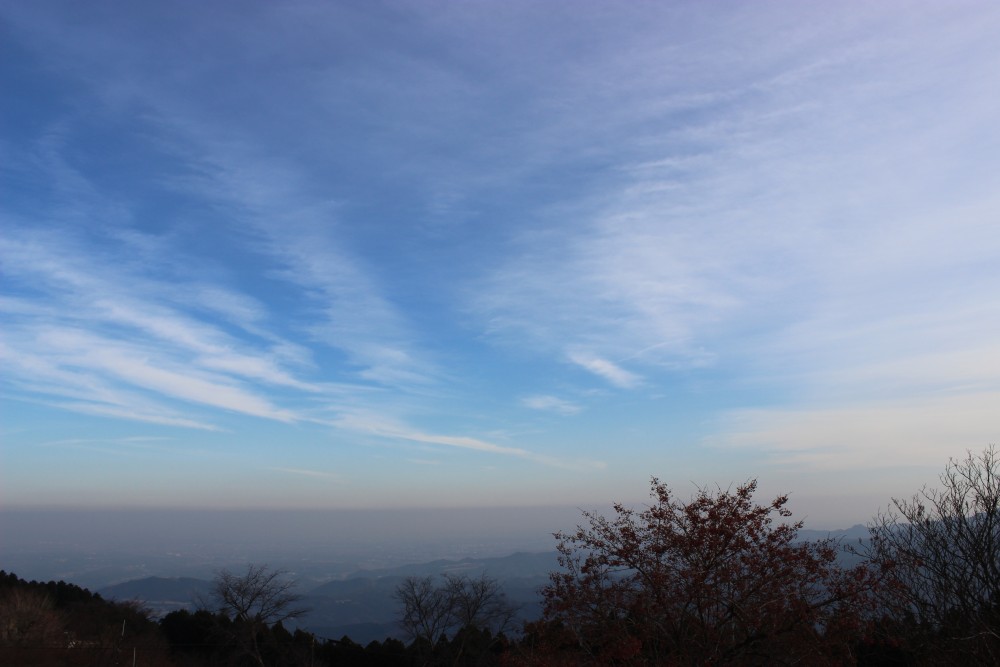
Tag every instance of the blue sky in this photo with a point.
(408, 254)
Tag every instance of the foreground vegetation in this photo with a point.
(717, 579)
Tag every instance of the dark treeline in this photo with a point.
(54, 624)
(714, 580)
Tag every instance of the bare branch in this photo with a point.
(939, 553)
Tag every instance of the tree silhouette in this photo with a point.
(255, 600)
(710, 581)
(476, 610)
(939, 554)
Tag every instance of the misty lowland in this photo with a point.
(717, 578)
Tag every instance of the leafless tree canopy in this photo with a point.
(261, 595)
(430, 610)
(939, 553)
(28, 617)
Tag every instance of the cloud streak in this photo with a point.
(102, 329)
(428, 229)
(873, 435)
(608, 370)
(397, 431)
(551, 404)
(792, 169)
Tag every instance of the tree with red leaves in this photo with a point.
(711, 581)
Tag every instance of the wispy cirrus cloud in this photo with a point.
(140, 367)
(46, 380)
(387, 428)
(780, 217)
(302, 241)
(96, 331)
(758, 172)
(118, 446)
(274, 207)
(551, 404)
(914, 432)
(133, 410)
(608, 370)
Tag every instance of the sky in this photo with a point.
(470, 254)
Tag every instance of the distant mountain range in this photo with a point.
(361, 606)
(853, 534)
(161, 594)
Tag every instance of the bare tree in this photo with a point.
(28, 617)
(428, 610)
(939, 555)
(431, 610)
(479, 603)
(256, 600)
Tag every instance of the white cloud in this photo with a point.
(550, 403)
(386, 428)
(134, 413)
(133, 445)
(603, 368)
(68, 340)
(805, 205)
(132, 364)
(40, 373)
(303, 242)
(215, 392)
(276, 208)
(791, 223)
(917, 432)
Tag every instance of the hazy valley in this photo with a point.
(347, 565)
